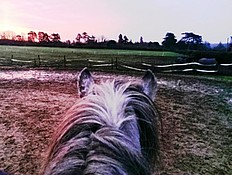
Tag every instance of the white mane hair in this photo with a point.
(110, 130)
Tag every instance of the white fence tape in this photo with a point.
(21, 61)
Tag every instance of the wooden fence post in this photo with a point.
(11, 60)
(88, 64)
(39, 61)
(116, 63)
(34, 62)
(112, 62)
(153, 66)
(64, 61)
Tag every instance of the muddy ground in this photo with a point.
(196, 114)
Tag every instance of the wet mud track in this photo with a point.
(196, 116)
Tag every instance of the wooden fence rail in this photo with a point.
(118, 64)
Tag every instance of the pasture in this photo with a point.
(28, 52)
(74, 58)
(196, 115)
(104, 60)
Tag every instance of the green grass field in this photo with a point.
(28, 53)
(50, 50)
(97, 59)
(79, 57)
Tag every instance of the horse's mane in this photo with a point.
(99, 133)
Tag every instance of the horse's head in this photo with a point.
(147, 86)
(110, 130)
(131, 105)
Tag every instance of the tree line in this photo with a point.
(189, 41)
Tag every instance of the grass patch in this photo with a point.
(222, 78)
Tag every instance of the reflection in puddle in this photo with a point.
(35, 74)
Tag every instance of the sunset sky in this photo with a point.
(151, 19)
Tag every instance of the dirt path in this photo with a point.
(196, 114)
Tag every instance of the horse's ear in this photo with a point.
(150, 84)
(85, 81)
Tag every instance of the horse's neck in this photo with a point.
(131, 130)
(115, 151)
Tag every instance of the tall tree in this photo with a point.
(125, 39)
(207, 46)
(230, 45)
(32, 36)
(220, 47)
(169, 41)
(120, 39)
(191, 41)
(43, 37)
(190, 37)
(141, 40)
(18, 38)
(91, 39)
(85, 37)
(9, 35)
(3, 36)
(40, 36)
(55, 37)
(78, 38)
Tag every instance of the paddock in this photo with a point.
(196, 116)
